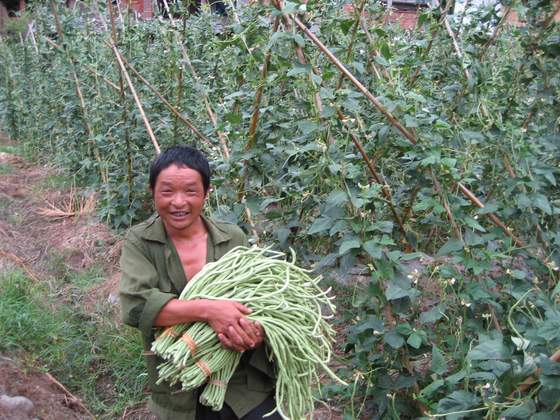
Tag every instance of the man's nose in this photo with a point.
(179, 199)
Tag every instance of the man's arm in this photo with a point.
(145, 306)
(226, 317)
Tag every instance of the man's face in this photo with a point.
(179, 197)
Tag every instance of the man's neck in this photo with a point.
(194, 231)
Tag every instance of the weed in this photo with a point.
(6, 168)
(80, 349)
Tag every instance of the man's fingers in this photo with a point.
(242, 308)
(228, 344)
(240, 337)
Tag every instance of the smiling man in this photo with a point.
(158, 258)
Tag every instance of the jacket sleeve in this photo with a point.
(140, 298)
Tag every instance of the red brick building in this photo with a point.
(141, 7)
(403, 12)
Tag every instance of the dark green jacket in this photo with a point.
(152, 274)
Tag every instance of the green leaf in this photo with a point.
(394, 292)
(541, 202)
(432, 315)
(410, 122)
(473, 223)
(371, 323)
(385, 226)
(345, 25)
(404, 329)
(372, 249)
(414, 340)
(522, 411)
(439, 365)
(336, 198)
(234, 118)
(457, 401)
(299, 69)
(320, 224)
(427, 391)
(492, 349)
(393, 339)
(282, 234)
(347, 245)
(385, 50)
(452, 245)
(549, 330)
(488, 208)
(550, 373)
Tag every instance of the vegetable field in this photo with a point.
(427, 160)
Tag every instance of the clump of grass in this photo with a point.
(90, 353)
(6, 168)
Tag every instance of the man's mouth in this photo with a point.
(179, 213)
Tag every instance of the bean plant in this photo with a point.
(455, 225)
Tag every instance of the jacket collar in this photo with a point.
(155, 231)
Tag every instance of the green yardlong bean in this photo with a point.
(287, 302)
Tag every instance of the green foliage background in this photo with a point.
(480, 313)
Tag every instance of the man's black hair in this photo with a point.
(181, 156)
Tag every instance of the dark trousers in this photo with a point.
(206, 413)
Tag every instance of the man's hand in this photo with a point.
(235, 331)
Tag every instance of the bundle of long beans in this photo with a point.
(284, 299)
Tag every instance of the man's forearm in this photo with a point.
(181, 311)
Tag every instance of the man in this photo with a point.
(159, 256)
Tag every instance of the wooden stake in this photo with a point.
(73, 398)
(221, 135)
(411, 137)
(174, 110)
(394, 122)
(258, 95)
(352, 39)
(445, 203)
(378, 178)
(18, 261)
(86, 66)
(136, 99)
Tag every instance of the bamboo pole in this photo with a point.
(374, 51)
(89, 129)
(211, 114)
(495, 219)
(301, 57)
(386, 190)
(122, 97)
(352, 39)
(89, 68)
(394, 122)
(445, 203)
(169, 106)
(136, 99)
(258, 96)
(455, 45)
(497, 30)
